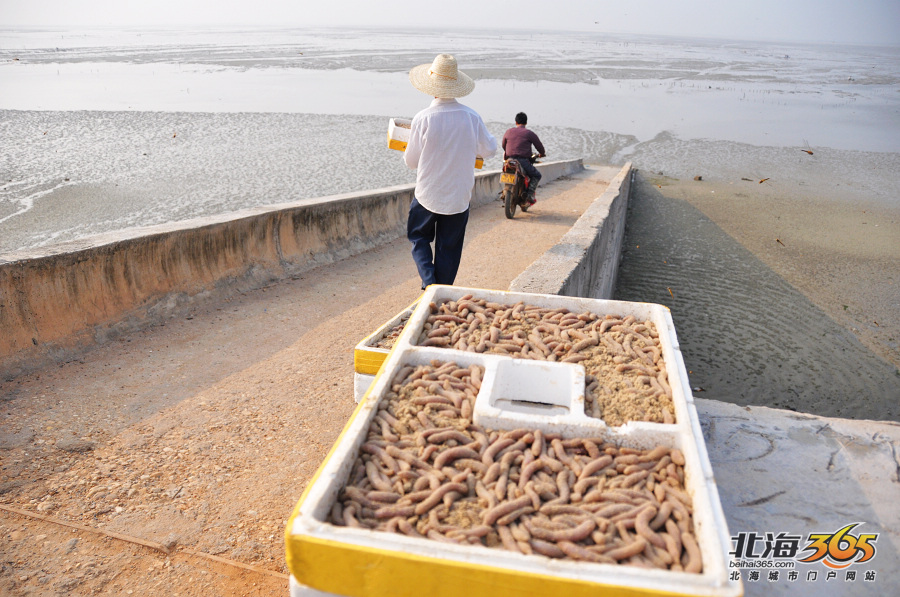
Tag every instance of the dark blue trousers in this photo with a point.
(447, 232)
(533, 173)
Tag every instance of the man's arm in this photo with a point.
(537, 144)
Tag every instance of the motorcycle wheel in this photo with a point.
(511, 200)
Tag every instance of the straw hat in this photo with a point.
(441, 78)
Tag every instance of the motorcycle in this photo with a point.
(515, 186)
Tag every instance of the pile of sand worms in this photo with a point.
(426, 470)
(626, 378)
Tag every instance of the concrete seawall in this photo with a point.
(585, 261)
(56, 300)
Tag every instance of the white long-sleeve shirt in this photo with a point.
(444, 140)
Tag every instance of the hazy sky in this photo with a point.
(842, 21)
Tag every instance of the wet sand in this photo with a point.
(778, 299)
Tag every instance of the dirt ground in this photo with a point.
(168, 461)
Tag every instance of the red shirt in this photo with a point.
(517, 143)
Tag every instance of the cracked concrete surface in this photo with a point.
(780, 471)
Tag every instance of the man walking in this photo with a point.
(517, 143)
(444, 141)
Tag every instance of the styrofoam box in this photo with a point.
(361, 384)
(398, 133)
(367, 358)
(362, 562)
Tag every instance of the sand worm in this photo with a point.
(641, 466)
(385, 428)
(470, 464)
(438, 495)
(586, 343)
(677, 457)
(375, 450)
(528, 470)
(632, 479)
(612, 511)
(673, 548)
(490, 453)
(627, 551)
(376, 479)
(431, 399)
(575, 358)
(658, 557)
(662, 463)
(659, 492)
(394, 511)
(388, 497)
(349, 516)
(489, 517)
(584, 484)
(507, 540)
(447, 435)
(337, 511)
(654, 455)
(674, 533)
(577, 552)
(665, 511)
(514, 515)
(485, 494)
(516, 448)
(560, 451)
(407, 457)
(681, 497)
(601, 495)
(407, 529)
(466, 411)
(694, 562)
(422, 417)
(592, 449)
(556, 509)
(492, 473)
(642, 526)
(419, 493)
(545, 548)
(474, 532)
(551, 525)
(529, 490)
(595, 466)
(519, 532)
(579, 533)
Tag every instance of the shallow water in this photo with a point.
(105, 130)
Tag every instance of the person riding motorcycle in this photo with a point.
(517, 143)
